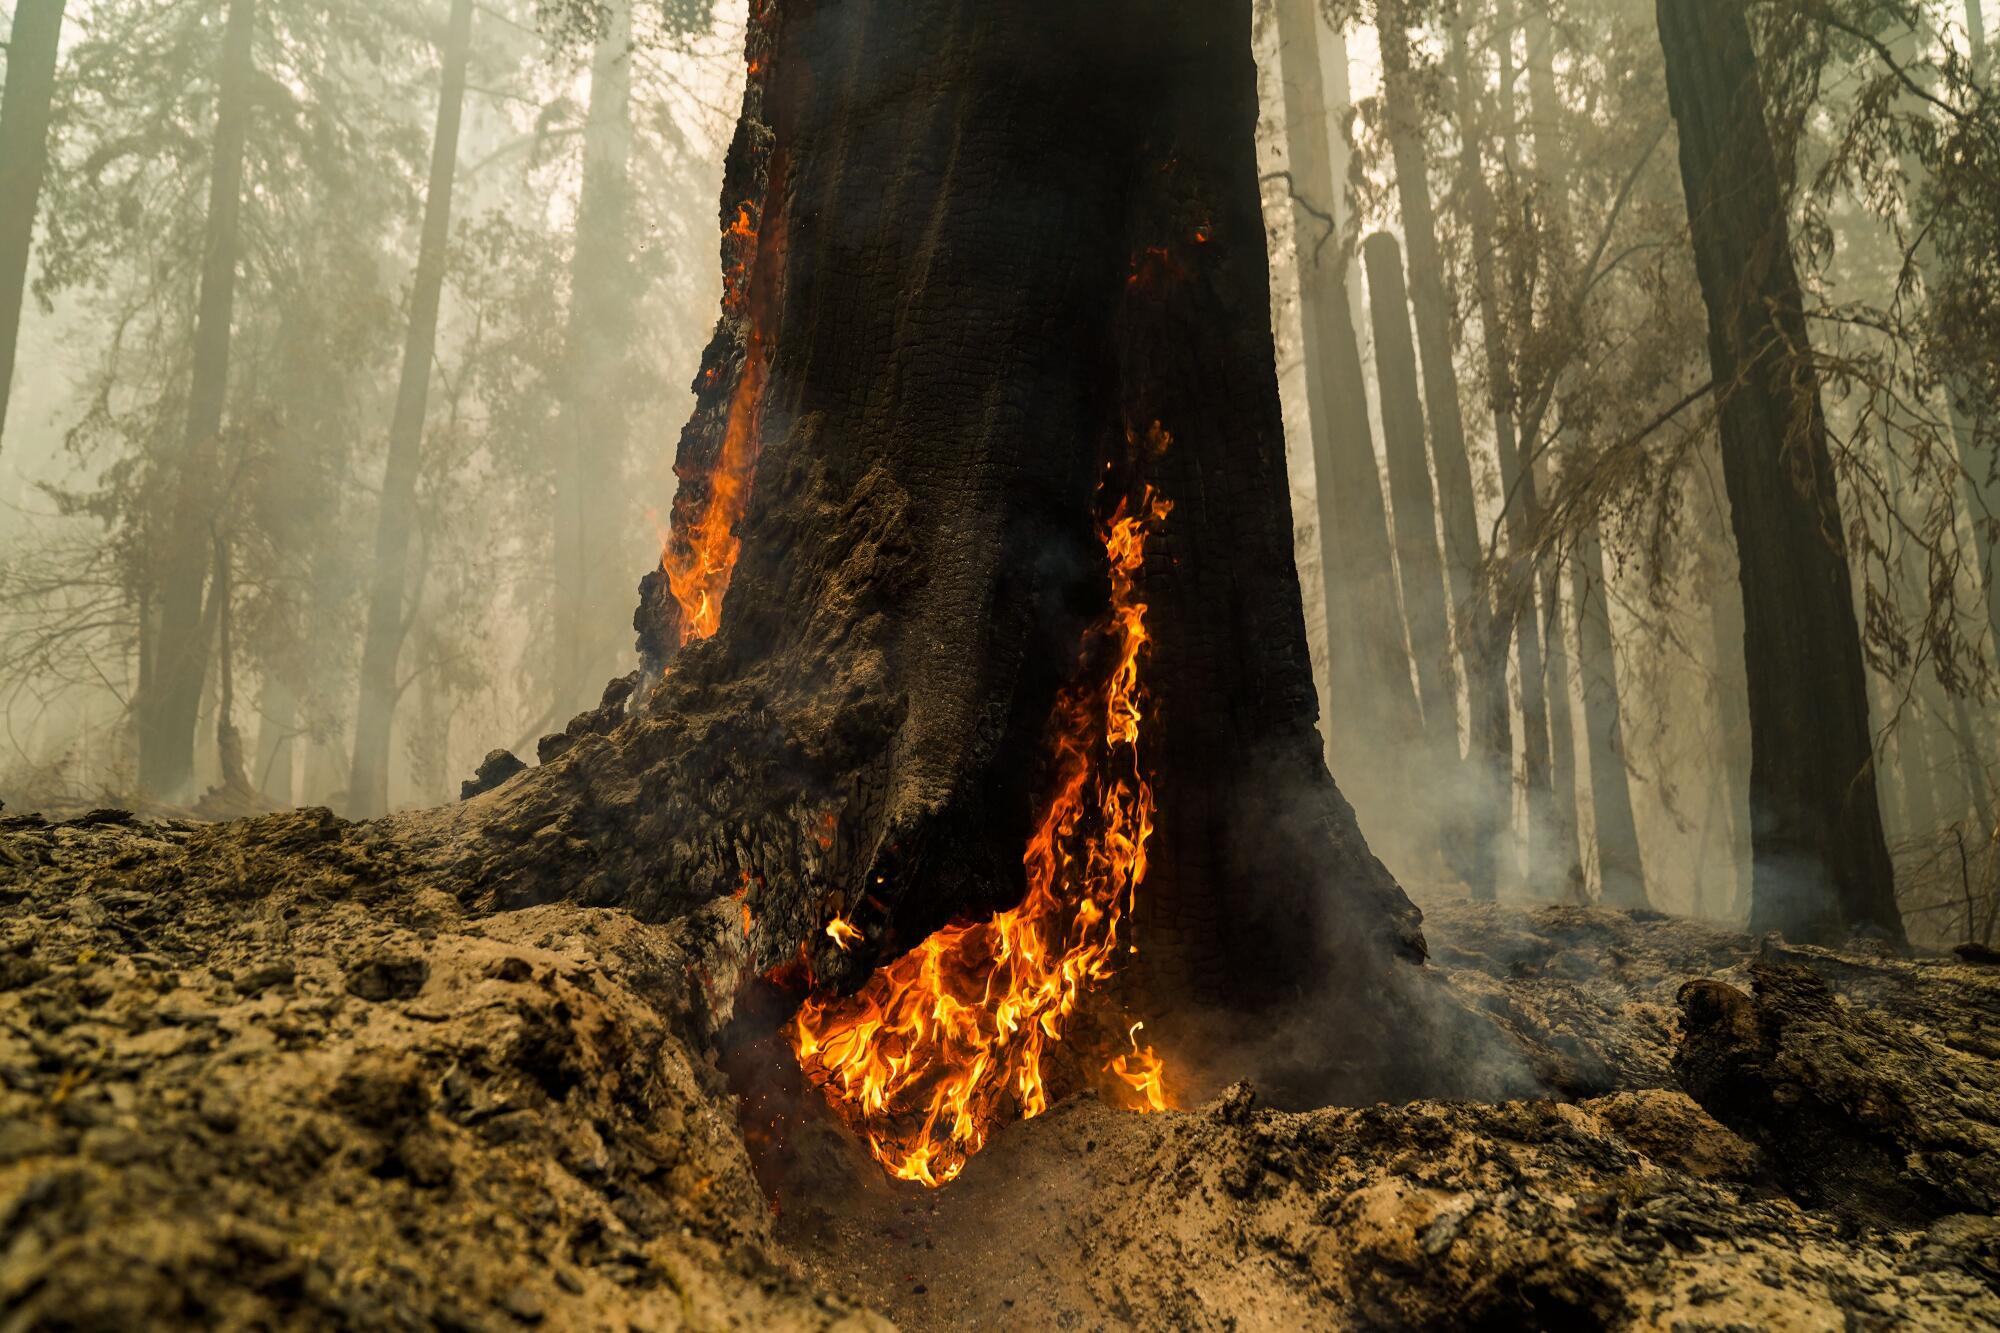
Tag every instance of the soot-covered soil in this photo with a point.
(264, 1074)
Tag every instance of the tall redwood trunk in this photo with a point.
(1369, 665)
(179, 655)
(592, 589)
(1822, 866)
(24, 153)
(1489, 757)
(953, 311)
(388, 617)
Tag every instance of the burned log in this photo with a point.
(1861, 1114)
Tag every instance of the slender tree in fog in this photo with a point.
(170, 678)
(1518, 597)
(24, 151)
(1364, 630)
(1490, 758)
(1413, 502)
(388, 612)
(592, 591)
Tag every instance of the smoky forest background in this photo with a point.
(344, 344)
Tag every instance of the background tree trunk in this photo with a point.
(368, 783)
(1552, 166)
(1516, 596)
(24, 153)
(592, 589)
(1822, 866)
(1620, 872)
(966, 310)
(277, 732)
(1417, 556)
(1364, 636)
(168, 705)
(1732, 709)
(1490, 754)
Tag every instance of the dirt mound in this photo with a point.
(252, 1079)
(267, 1074)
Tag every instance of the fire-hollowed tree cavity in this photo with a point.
(954, 323)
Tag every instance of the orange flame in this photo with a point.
(922, 1059)
(842, 932)
(698, 568)
(699, 565)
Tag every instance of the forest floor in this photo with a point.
(260, 1075)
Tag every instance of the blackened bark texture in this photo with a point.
(1822, 867)
(179, 655)
(1417, 556)
(967, 310)
(591, 591)
(32, 43)
(1369, 667)
(1621, 875)
(1489, 755)
(388, 616)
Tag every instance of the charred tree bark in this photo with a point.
(591, 591)
(1417, 556)
(24, 153)
(168, 705)
(388, 618)
(1369, 666)
(959, 312)
(1822, 867)
(1489, 757)
(1621, 874)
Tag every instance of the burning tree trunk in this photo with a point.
(24, 153)
(1365, 636)
(961, 343)
(1822, 866)
(388, 617)
(178, 656)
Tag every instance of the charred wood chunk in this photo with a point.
(494, 769)
(387, 976)
(1860, 1113)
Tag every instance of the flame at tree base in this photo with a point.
(932, 1051)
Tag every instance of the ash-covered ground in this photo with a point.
(266, 1075)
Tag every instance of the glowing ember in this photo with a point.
(842, 932)
(924, 1059)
